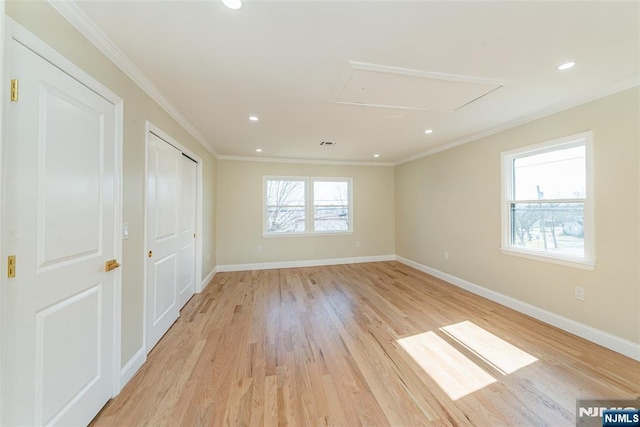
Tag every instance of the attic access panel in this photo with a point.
(392, 87)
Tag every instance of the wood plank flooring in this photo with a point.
(365, 344)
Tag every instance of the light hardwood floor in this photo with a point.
(362, 344)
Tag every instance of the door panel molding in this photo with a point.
(93, 340)
(11, 32)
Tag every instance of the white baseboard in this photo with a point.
(132, 366)
(304, 263)
(138, 359)
(207, 279)
(605, 339)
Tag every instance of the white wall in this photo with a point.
(240, 214)
(450, 201)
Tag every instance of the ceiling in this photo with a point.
(369, 75)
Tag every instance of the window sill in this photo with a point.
(306, 234)
(567, 262)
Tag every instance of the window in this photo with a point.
(286, 205)
(303, 205)
(547, 202)
(331, 205)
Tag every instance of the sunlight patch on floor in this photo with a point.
(456, 375)
(454, 372)
(504, 357)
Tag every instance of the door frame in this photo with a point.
(3, 77)
(14, 31)
(150, 128)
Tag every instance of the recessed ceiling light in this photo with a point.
(428, 131)
(232, 4)
(253, 118)
(258, 150)
(376, 155)
(566, 65)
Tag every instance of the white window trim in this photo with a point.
(507, 157)
(309, 205)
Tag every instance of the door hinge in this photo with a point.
(14, 90)
(11, 267)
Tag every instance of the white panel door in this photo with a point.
(163, 210)
(58, 220)
(187, 255)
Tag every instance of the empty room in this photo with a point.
(308, 212)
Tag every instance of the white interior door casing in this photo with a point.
(61, 178)
(3, 78)
(187, 253)
(163, 210)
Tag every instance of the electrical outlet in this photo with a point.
(358, 244)
(446, 256)
(259, 248)
(579, 293)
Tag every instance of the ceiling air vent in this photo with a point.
(328, 143)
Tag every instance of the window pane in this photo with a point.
(286, 206)
(557, 174)
(330, 218)
(556, 228)
(285, 193)
(285, 219)
(331, 206)
(330, 193)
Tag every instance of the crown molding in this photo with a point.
(81, 22)
(303, 161)
(556, 108)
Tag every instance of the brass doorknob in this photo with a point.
(111, 265)
(150, 254)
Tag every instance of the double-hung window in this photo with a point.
(547, 211)
(307, 205)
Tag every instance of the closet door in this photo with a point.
(187, 251)
(164, 174)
